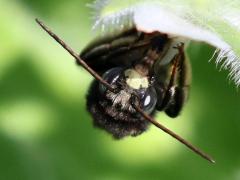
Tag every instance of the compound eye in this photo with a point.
(148, 99)
(111, 76)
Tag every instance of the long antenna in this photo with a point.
(174, 135)
(101, 80)
(75, 55)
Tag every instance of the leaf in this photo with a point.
(216, 22)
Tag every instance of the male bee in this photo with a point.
(136, 74)
(151, 65)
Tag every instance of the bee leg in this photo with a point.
(166, 94)
(176, 92)
(177, 102)
(181, 90)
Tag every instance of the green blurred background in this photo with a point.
(46, 133)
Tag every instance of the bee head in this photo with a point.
(114, 111)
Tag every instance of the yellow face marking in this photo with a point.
(136, 80)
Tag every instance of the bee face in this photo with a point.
(135, 63)
(113, 111)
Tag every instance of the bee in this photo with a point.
(151, 65)
(136, 74)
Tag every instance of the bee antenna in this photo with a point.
(76, 56)
(173, 134)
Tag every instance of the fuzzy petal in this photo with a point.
(216, 22)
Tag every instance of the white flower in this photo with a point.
(216, 22)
